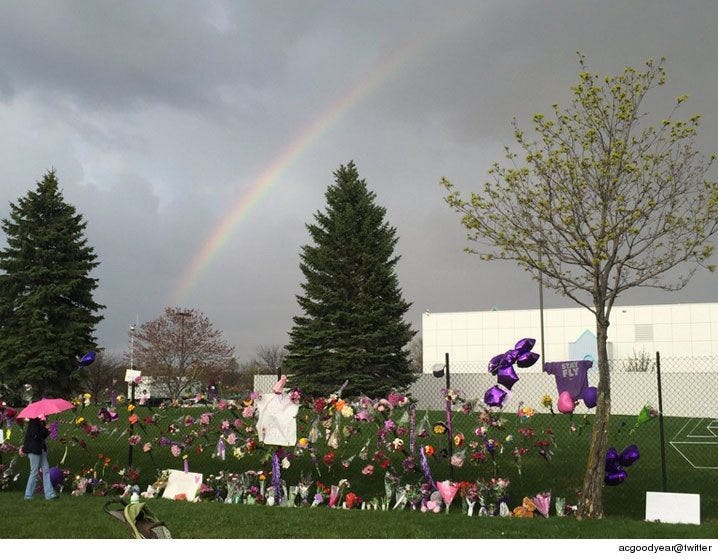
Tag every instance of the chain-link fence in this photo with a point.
(678, 448)
(683, 390)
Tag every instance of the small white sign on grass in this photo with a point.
(675, 508)
(182, 483)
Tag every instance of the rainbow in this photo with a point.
(262, 184)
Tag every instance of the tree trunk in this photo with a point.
(591, 505)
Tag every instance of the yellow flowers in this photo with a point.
(546, 401)
(130, 407)
(303, 442)
(79, 421)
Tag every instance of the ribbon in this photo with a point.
(276, 478)
(425, 468)
(448, 417)
(221, 449)
(186, 466)
(412, 428)
(53, 430)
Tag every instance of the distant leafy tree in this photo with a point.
(600, 203)
(106, 373)
(353, 324)
(47, 311)
(270, 358)
(181, 351)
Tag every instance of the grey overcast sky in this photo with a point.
(198, 138)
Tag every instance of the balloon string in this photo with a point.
(425, 468)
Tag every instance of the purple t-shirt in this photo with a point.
(571, 376)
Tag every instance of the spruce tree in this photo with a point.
(47, 311)
(353, 325)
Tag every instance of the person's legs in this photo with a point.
(32, 480)
(46, 482)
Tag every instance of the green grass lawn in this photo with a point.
(561, 475)
(83, 517)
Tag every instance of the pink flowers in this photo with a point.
(248, 412)
(205, 418)
(147, 447)
(368, 470)
(232, 439)
(176, 450)
(134, 440)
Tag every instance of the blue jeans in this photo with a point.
(38, 461)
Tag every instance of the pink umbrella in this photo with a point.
(45, 407)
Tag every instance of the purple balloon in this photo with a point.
(88, 359)
(495, 363)
(527, 359)
(612, 460)
(590, 396)
(615, 478)
(507, 377)
(495, 396)
(629, 456)
(510, 357)
(525, 345)
(56, 476)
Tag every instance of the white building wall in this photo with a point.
(685, 330)
(688, 331)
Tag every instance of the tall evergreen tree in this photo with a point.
(47, 311)
(353, 327)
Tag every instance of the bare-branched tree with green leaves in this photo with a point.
(181, 350)
(600, 202)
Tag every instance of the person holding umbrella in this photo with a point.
(35, 445)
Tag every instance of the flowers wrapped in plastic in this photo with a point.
(447, 489)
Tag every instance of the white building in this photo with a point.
(685, 330)
(685, 335)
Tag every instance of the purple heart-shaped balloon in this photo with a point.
(524, 345)
(527, 359)
(629, 456)
(615, 478)
(612, 460)
(495, 363)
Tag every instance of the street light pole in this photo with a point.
(182, 315)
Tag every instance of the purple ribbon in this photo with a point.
(276, 477)
(221, 448)
(53, 430)
(412, 428)
(425, 468)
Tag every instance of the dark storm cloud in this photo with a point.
(159, 116)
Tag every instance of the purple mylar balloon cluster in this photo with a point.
(503, 367)
(615, 474)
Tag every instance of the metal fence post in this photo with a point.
(664, 475)
(132, 426)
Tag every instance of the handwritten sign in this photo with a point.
(182, 483)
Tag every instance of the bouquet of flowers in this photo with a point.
(6, 474)
(491, 493)
(305, 483)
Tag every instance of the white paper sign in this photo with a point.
(179, 482)
(676, 508)
(132, 374)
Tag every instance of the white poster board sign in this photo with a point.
(676, 508)
(182, 483)
(132, 374)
